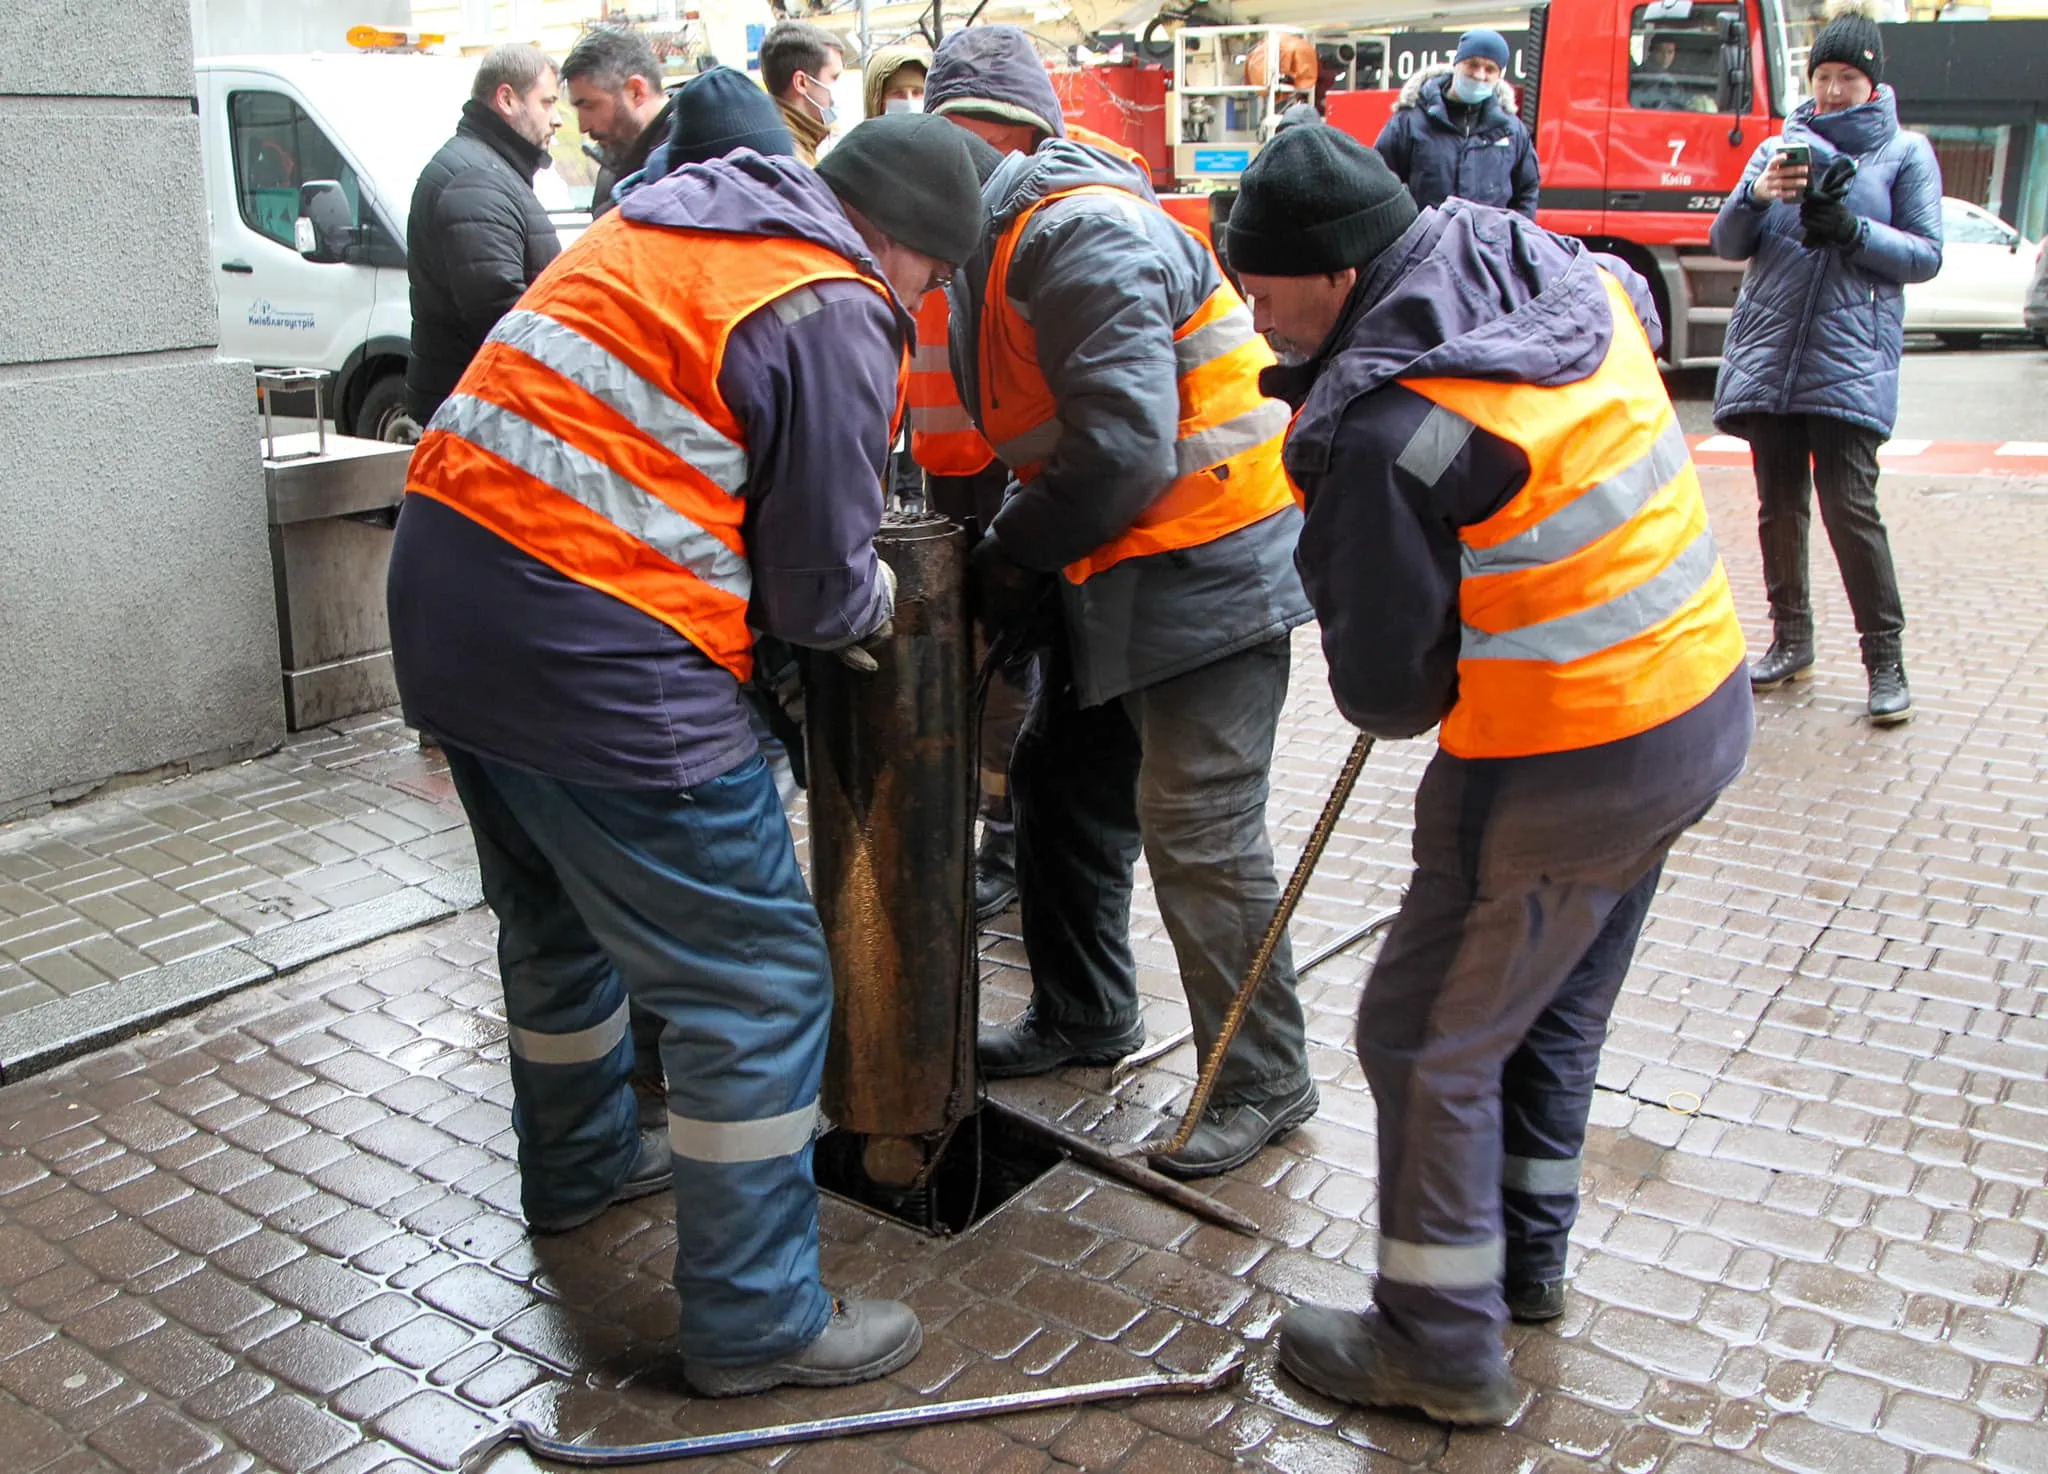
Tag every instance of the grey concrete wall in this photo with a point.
(135, 591)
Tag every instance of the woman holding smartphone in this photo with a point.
(1834, 217)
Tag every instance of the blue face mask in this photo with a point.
(1469, 90)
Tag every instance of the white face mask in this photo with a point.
(904, 105)
(826, 113)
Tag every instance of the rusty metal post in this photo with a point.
(892, 790)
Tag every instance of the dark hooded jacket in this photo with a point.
(1104, 284)
(476, 238)
(603, 195)
(994, 64)
(1477, 294)
(1440, 150)
(1819, 332)
(499, 653)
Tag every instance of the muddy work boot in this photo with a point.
(1891, 700)
(1231, 1135)
(1788, 659)
(865, 1339)
(995, 871)
(1036, 1046)
(1335, 1352)
(652, 1172)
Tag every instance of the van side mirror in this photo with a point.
(326, 226)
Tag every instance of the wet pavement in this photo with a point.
(281, 1233)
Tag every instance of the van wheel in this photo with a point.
(384, 415)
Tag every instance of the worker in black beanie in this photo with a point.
(1504, 540)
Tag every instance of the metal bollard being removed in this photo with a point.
(892, 796)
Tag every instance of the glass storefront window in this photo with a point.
(1972, 161)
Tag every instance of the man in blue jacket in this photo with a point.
(1454, 132)
(1504, 535)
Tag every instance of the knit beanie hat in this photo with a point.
(1315, 200)
(720, 111)
(1853, 39)
(1483, 45)
(994, 72)
(912, 176)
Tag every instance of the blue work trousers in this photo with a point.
(1479, 1032)
(691, 903)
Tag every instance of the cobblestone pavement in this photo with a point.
(282, 1233)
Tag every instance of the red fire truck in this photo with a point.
(1644, 113)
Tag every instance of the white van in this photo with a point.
(370, 122)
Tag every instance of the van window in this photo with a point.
(277, 148)
(1674, 52)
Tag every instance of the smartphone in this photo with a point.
(1795, 156)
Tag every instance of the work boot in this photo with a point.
(1231, 1135)
(995, 871)
(1890, 700)
(650, 1099)
(1033, 1046)
(865, 1339)
(1532, 1302)
(1336, 1353)
(1787, 660)
(651, 1172)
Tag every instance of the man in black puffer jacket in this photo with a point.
(477, 235)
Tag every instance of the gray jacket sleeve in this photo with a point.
(1908, 249)
(1527, 174)
(1740, 224)
(1095, 286)
(812, 379)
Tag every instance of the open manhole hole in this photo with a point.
(987, 1163)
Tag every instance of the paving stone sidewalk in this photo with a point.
(282, 1233)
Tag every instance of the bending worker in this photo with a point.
(678, 437)
(1101, 353)
(1505, 535)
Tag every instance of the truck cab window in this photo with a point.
(276, 149)
(1674, 53)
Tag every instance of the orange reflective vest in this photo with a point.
(590, 433)
(1109, 145)
(943, 439)
(1593, 605)
(1230, 435)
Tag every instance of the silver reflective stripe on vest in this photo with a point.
(1545, 1176)
(1572, 637)
(1589, 516)
(933, 358)
(742, 1141)
(1444, 1266)
(580, 1048)
(607, 378)
(1434, 445)
(1207, 344)
(1034, 446)
(939, 419)
(630, 508)
(1219, 443)
(794, 307)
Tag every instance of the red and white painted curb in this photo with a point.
(1919, 457)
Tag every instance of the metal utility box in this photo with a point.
(331, 514)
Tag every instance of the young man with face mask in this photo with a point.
(799, 63)
(1454, 132)
(893, 80)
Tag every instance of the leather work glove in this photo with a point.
(776, 692)
(1006, 597)
(858, 655)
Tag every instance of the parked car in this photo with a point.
(270, 125)
(2037, 300)
(1986, 266)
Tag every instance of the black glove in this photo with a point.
(1823, 219)
(776, 692)
(1006, 597)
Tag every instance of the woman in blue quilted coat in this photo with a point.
(1810, 374)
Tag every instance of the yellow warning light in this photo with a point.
(380, 38)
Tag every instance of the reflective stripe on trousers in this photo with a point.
(734, 965)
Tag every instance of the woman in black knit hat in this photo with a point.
(1810, 372)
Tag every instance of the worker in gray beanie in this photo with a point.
(1455, 131)
(1504, 541)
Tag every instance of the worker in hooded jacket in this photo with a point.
(1146, 535)
(1505, 536)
